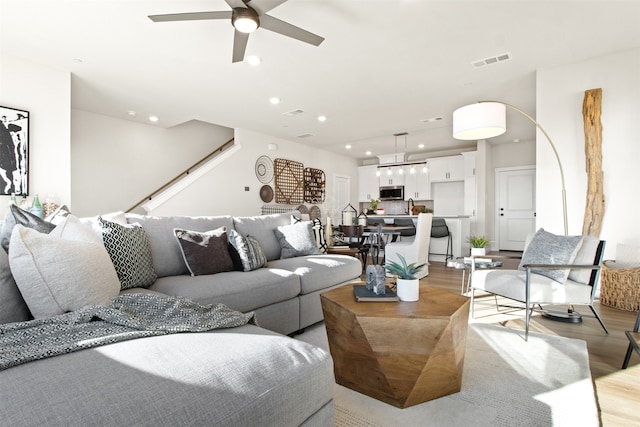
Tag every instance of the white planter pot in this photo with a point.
(408, 289)
(478, 251)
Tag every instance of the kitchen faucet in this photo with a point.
(410, 204)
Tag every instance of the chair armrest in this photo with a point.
(561, 266)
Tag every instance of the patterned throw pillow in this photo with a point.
(130, 252)
(297, 240)
(205, 253)
(548, 248)
(249, 249)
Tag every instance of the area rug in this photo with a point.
(506, 382)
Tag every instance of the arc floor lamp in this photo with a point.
(487, 119)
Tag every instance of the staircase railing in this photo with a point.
(184, 173)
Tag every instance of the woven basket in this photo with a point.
(620, 287)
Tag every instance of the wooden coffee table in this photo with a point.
(402, 353)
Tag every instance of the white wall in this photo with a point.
(560, 93)
(46, 93)
(116, 162)
(222, 190)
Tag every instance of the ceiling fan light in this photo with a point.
(245, 20)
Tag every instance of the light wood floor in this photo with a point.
(617, 390)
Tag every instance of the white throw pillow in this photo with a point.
(62, 271)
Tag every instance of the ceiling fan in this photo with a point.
(246, 19)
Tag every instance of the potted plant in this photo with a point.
(407, 285)
(478, 245)
(374, 207)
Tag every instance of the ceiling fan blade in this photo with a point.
(193, 16)
(239, 45)
(237, 3)
(277, 26)
(264, 6)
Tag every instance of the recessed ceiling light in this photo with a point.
(274, 100)
(131, 113)
(348, 146)
(153, 119)
(420, 145)
(368, 153)
(254, 60)
(322, 118)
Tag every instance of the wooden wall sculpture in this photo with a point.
(314, 183)
(594, 210)
(289, 181)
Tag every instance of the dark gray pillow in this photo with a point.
(22, 217)
(13, 308)
(205, 252)
(549, 248)
(249, 250)
(297, 240)
(130, 252)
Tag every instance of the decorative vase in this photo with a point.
(478, 251)
(408, 289)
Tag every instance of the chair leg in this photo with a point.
(473, 305)
(627, 357)
(595, 313)
(526, 322)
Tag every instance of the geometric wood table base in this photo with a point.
(402, 353)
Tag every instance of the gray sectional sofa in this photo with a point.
(247, 375)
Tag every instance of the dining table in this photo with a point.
(377, 236)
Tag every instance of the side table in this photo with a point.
(464, 264)
(402, 353)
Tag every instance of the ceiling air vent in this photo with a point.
(305, 135)
(293, 112)
(491, 60)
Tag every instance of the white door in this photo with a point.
(341, 197)
(515, 206)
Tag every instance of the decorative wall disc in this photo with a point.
(303, 209)
(264, 169)
(314, 212)
(266, 193)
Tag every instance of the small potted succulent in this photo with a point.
(408, 284)
(478, 245)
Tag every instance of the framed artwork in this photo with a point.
(14, 151)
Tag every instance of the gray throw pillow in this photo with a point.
(296, 240)
(549, 248)
(205, 252)
(17, 215)
(249, 250)
(130, 252)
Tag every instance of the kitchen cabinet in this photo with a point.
(368, 186)
(469, 159)
(392, 176)
(417, 186)
(470, 196)
(446, 169)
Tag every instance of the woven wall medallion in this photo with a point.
(264, 169)
(289, 181)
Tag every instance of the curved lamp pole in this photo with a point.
(469, 123)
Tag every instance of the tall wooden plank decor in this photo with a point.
(594, 210)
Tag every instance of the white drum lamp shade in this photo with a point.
(479, 121)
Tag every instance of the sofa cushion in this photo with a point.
(130, 252)
(117, 217)
(549, 248)
(165, 250)
(249, 251)
(205, 252)
(320, 271)
(296, 240)
(62, 271)
(585, 256)
(12, 305)
(261, 227)
(237, 289)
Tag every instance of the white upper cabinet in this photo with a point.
(446, 169)
(469, 163)
(417, 185)
(368, 186)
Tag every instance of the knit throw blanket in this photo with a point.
(128, 317)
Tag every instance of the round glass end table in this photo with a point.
(464, 264)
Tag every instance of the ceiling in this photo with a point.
(384, 68)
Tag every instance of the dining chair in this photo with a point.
(417, 250)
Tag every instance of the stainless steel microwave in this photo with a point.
(395, 192)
